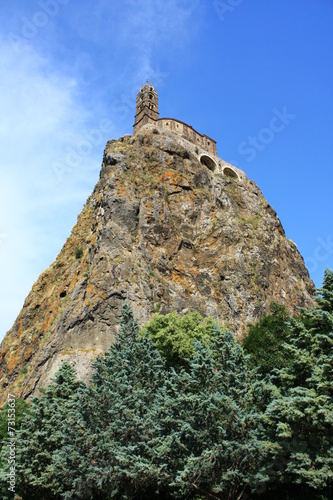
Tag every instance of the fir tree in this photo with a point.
(21, 410)
(210, 440)
(144, 429)
(52, 440)
(325, 294)
(118, 407)
(265, 339)
(159, 432)
(300, 417)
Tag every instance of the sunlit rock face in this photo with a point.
(163, 230)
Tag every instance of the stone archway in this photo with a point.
(229, 172)
(208, 162)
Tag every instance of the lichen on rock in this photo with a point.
(162, 232)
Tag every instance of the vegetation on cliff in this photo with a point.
(200, 422)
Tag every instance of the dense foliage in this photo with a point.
(174, 336)
(299, 418)
(265, 340)
(179, 411)
(21, 409)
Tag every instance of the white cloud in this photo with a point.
(42, 189)
(52, 125)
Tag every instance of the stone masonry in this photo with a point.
(147, 112)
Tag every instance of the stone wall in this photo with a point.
(189, 133)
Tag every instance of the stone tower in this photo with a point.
(146, 106)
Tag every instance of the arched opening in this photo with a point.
(208, 162)
(229, 172)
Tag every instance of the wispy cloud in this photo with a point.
(63, 93)
(151, 22)
(156, 22)
(41, 117)
(132, 35)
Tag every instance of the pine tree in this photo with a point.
(125, 384)
(49, 442)
(144, 429)
(265, 339)
(325, 294)
(21, 410)
(161, 432)
(300, 417)
(210, 440)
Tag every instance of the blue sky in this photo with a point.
(256, 76)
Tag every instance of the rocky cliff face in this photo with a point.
(163, 232)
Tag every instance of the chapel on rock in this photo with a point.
(147, 112)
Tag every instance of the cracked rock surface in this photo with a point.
(162, 232)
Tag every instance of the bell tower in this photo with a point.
(146, 106)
